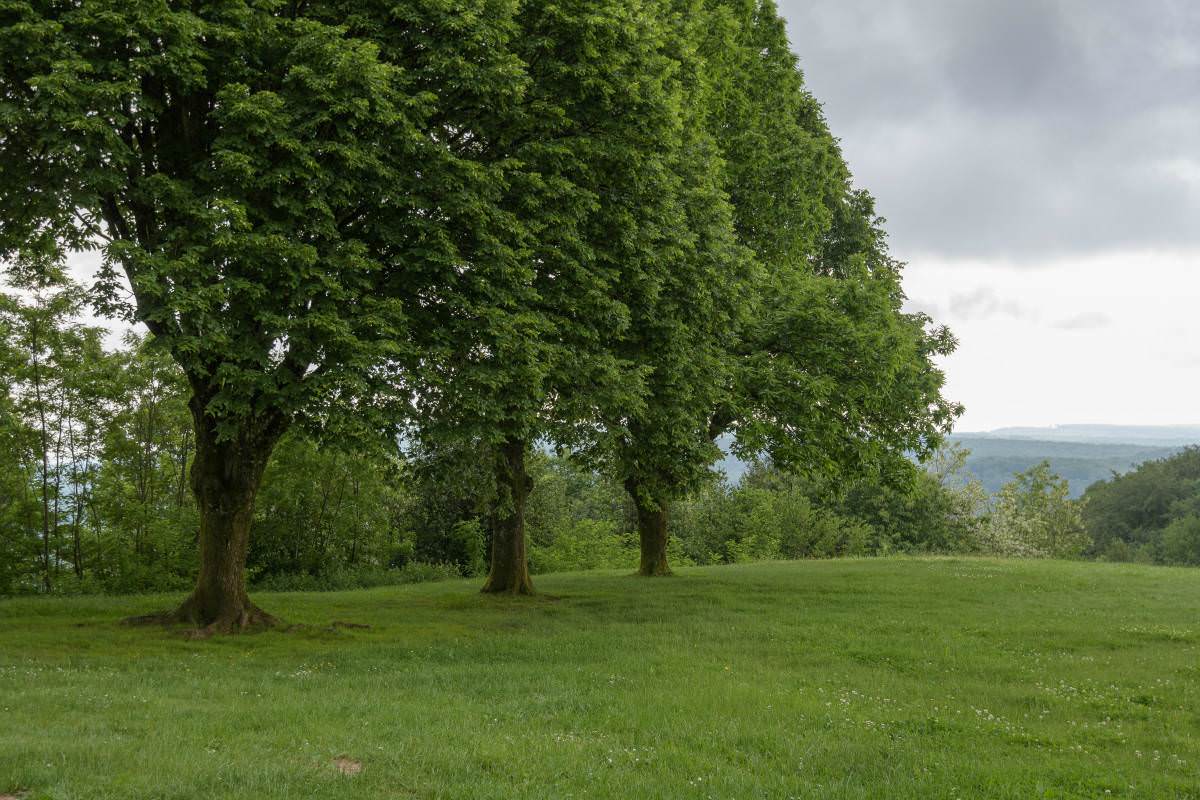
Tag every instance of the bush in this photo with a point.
(585, 544)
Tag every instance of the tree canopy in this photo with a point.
(267, 180)
(621, 228)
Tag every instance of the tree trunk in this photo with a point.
(509, 572)
(652, 518)
(225, 477)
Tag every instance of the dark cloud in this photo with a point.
(1016, 128)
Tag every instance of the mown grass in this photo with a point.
(896, 678)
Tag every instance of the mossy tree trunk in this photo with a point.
(509, 573)
(652, 519)
(225, 477)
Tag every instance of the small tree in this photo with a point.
(1034, 516)
(56, 381)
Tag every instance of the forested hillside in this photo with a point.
(1151, 514)
(995, 458)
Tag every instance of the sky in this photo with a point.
(1038, 162)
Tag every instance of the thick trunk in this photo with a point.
(225, 477)
(510, 569)
(652, 515)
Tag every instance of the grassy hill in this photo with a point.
(994, 459)
(898, 678)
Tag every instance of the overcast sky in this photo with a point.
(1039, 165)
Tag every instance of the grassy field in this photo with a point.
(895, 678)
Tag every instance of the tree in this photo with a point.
(56, 386)
(814, 363)
(1033, 515)
(19, 531)
(912, 508)
(326, 507)
(256, 174)
(143, 516)
(829, 373)
(659, 449)
(519, 348)
(1181, 541)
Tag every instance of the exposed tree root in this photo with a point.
(515, 588)
(245, 618)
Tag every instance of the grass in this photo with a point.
(891, 678)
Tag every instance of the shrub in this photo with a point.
(585, 544)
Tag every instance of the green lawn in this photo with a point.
(891, 678)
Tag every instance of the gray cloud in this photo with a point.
(1088, 320)
(1009, 129)
(983, 303)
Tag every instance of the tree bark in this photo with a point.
(509, 573)
(652, 518)
(225, 477)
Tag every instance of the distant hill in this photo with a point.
(993, 460)
(1150, 435)
(1083, 454)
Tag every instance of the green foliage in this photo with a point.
(1128, 516)
(584, 544)
(826, 374)
(750, 522)
(450, 489)
(917, 509)
(146, 516)
(682, 309)
(1181, 541)
(60, 390)
(222, 156)
(1033, 515)
(516, 342)
(322, 509)
(18, 508)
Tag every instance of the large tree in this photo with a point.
(814, 361)
(680, 323)
(519, 347)
(255, 173)
(830, 373)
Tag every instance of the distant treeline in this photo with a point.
(1151, 514)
